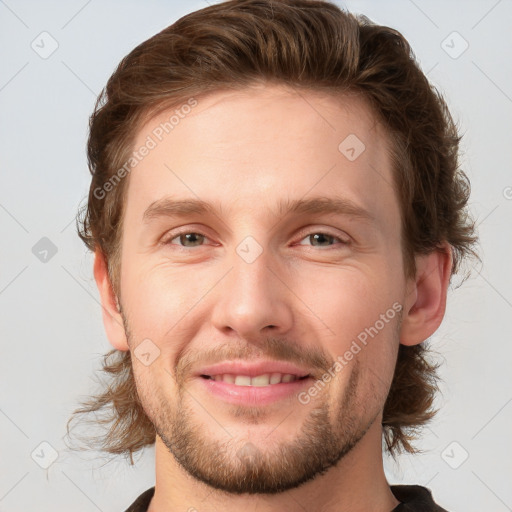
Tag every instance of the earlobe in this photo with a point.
(112, 319)
(425, 303)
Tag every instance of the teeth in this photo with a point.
(227, 378)
(275, 378)
(258, 381)
(242, 380)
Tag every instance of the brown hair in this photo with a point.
(307, 45)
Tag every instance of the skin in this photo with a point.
(302, 300)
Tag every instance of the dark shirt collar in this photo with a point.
(413, 498)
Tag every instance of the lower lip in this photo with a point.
(254, 395)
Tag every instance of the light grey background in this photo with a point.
(52, 337)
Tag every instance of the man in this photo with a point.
(276, 212)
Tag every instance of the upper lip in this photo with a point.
(252, 369)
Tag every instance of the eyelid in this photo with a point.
(171, 235)
(345, 240)
(174, 233)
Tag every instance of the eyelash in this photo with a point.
(168, 240)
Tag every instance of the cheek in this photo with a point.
(151, 388)
(360, 310)
(332, 303)
(156, 299)
(345, 300)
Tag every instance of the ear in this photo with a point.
(112, 319)
(425, 303)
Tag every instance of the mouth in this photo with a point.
(258, 390)
(255, 382)
(263, 380)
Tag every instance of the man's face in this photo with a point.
(252, 283)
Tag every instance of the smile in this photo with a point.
(265, 379)
(258, 390)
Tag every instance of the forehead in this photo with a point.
(248, 149)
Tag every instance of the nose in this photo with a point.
(253, 300)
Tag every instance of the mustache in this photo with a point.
(273, 348)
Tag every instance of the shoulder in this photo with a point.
(414, 498)
(141, 504)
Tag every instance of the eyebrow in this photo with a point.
(169, 207)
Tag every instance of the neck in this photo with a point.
(356, 484)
